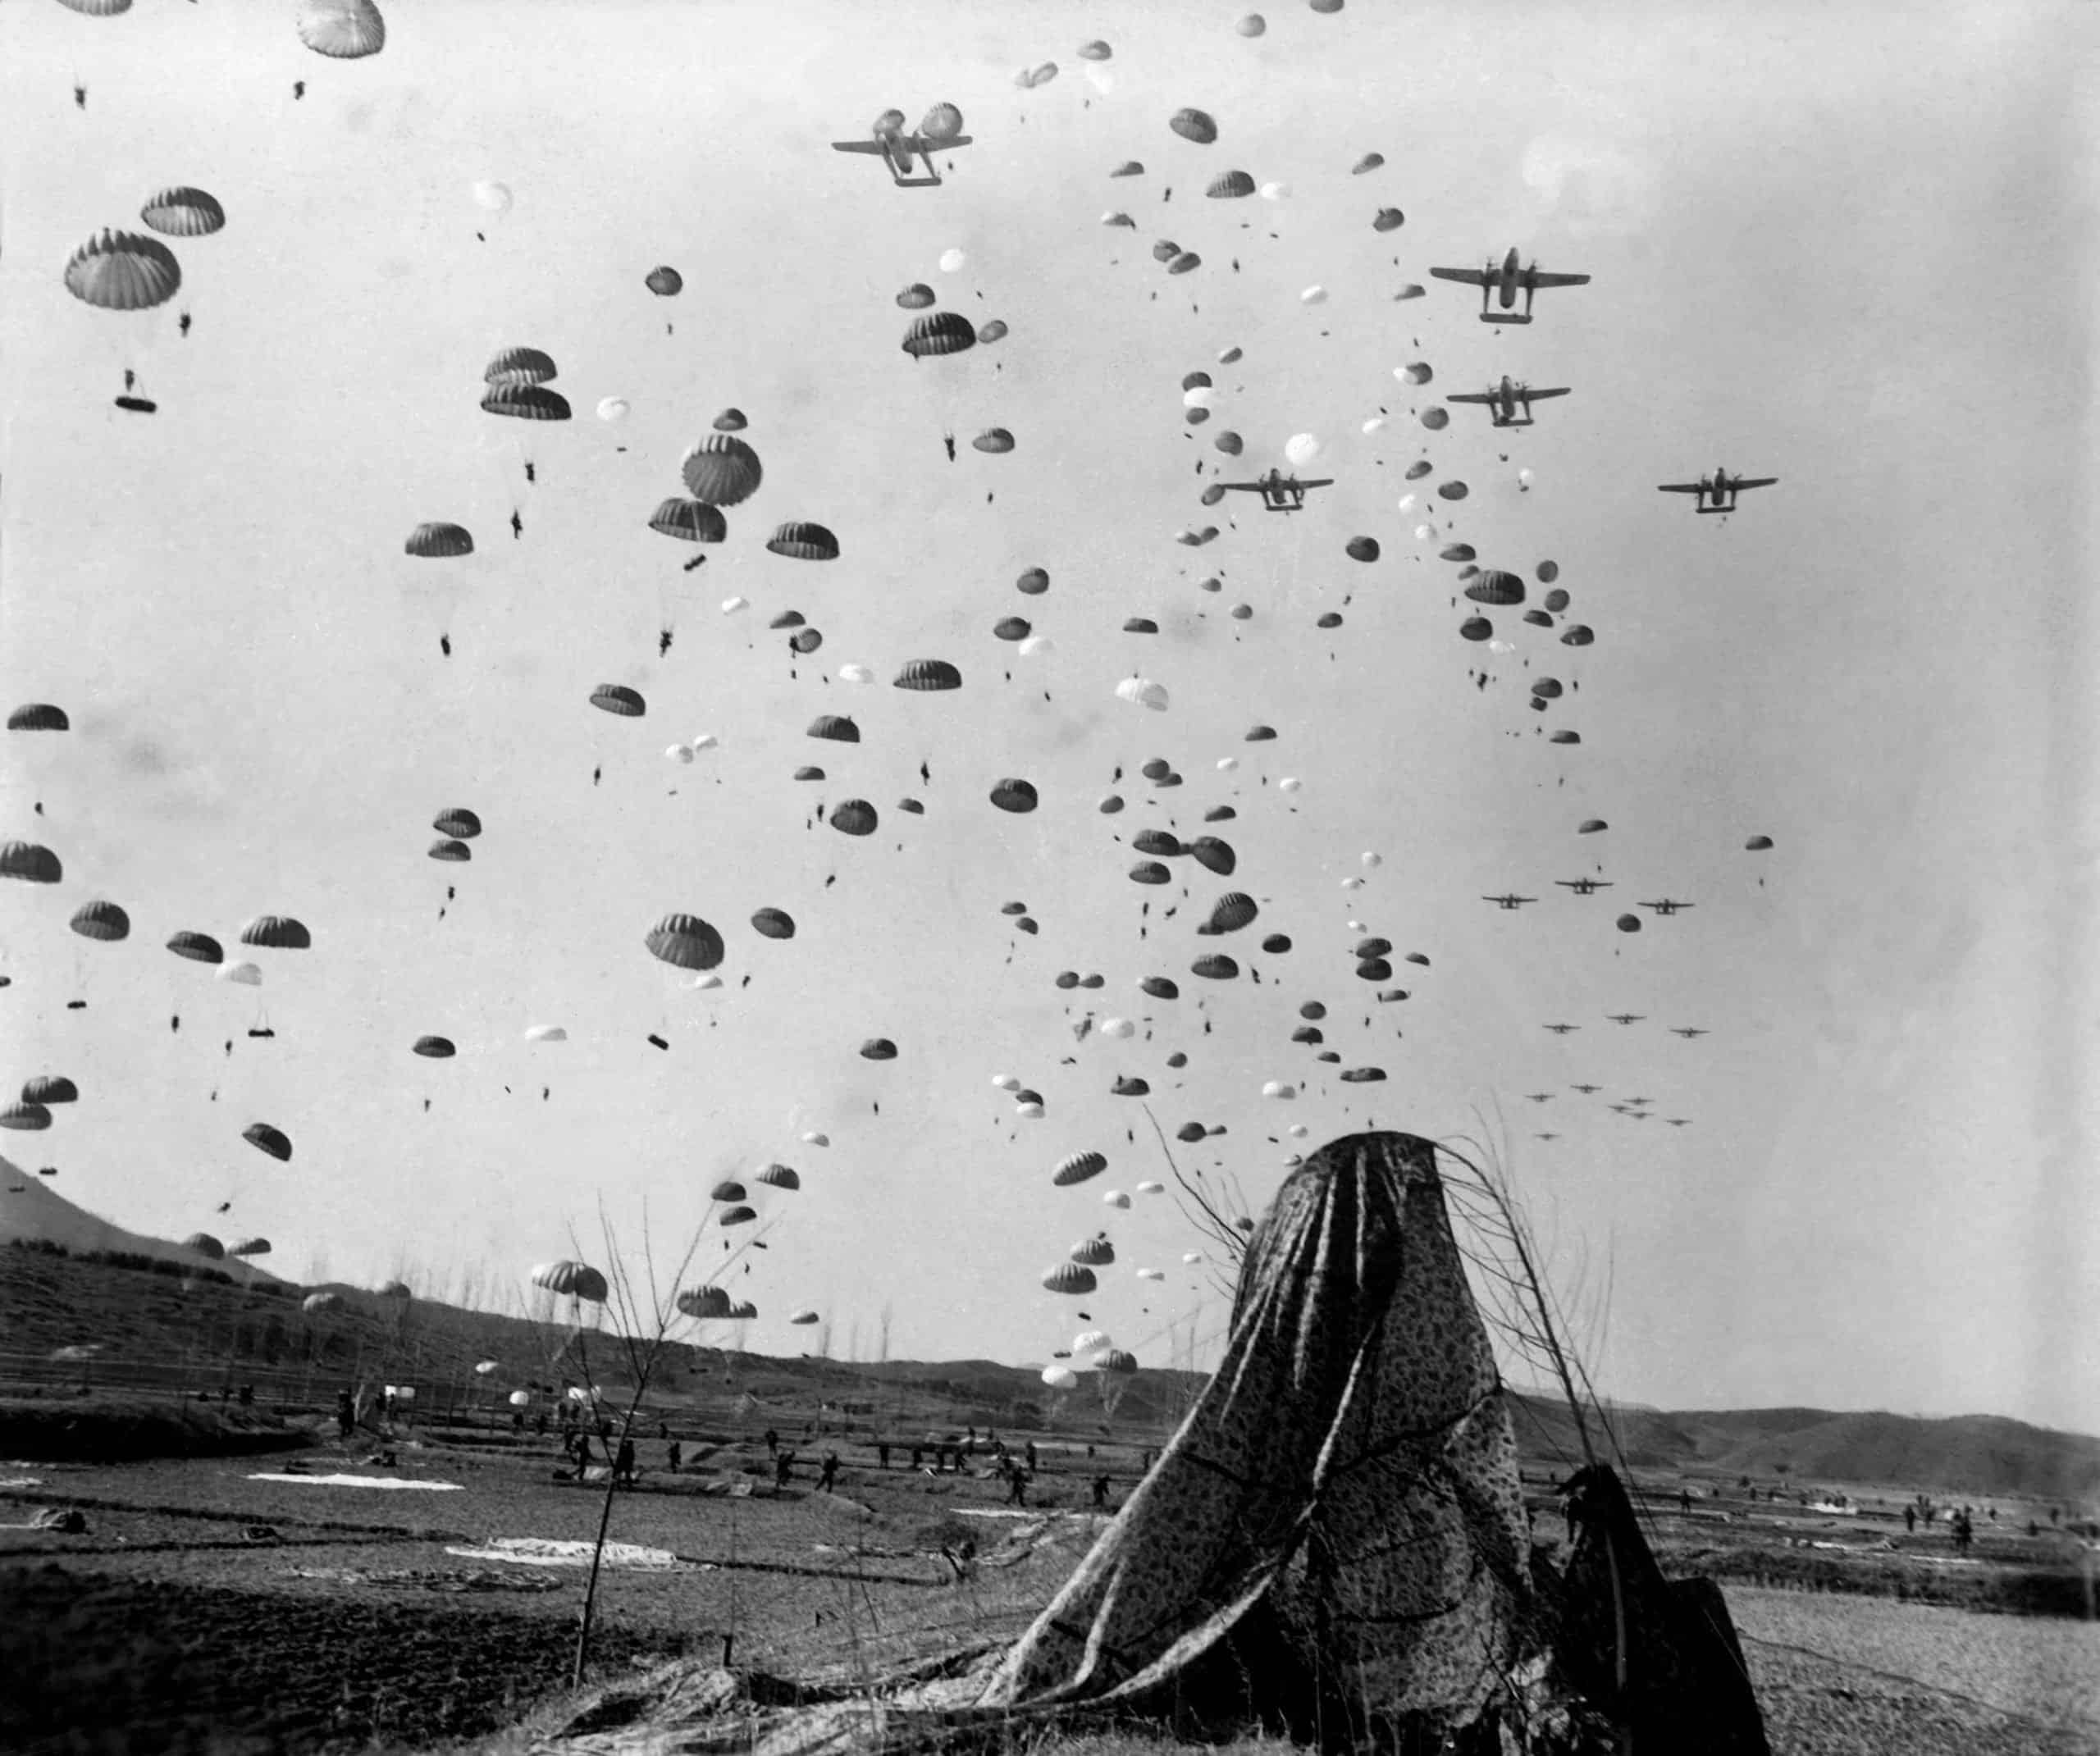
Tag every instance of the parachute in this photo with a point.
(1628, 923)
(803, 1316)
(995, 440)
(184, 212)
(434, 1048)
(878, 1049)
(618, 699)
(730, 421)
(205, 1245)
(571, 1280)
(1592, 826)
(314, 1303)
(519, 366)
(685, 940)
(30, 1118)
(664, 282)
(122, 271)
(265, 1139)
(1235, 910)
(1363, 547)
(1758, 844)
(1576, 635)
(1194, 125)
(1215, 967)
(1230, 185)
(458, 822)
(101, 920)
(1492, 586)
(1071, 1279)
(915, 297)
(727, 1193)
(1093, 1253)
(939, 332)
(689, 520)
(526, 402)
(38, 716)
(836, 727)
(801, 541)
(854, 817)
(786, 1176)
(439, 541)
(345, 30)
(1077, 1168)
(1061, 1378)
(1015, 795)
(927, 675)
(452, 852)
(1253, 24)
(50, 1089)
(1128, 168)
(1213, 855)
(250, 1246)
(774, 923)
(243, 974)
(1141, 692)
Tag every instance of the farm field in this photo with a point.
(189, 1614)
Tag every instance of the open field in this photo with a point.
(189, 1614)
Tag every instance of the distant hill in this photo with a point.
(168, 1328)
(31, 1208)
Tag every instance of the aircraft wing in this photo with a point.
(942, 146)
(857, 146)
(1472, 396)
(1318, 481)
(1680, 487)
(1753, 481)
(1471, 276)
(1531, 396)
(1540, 280)
(1239, 487)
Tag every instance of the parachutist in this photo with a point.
(745, 982)
(426, 1106)
(80, 96)
(444, 645)
(450, 891)
(948, 439)
(531, 473)
(299, 90)
(830, 881)
(662, 641)
(517, 525)
(39, 807)
(130, 378)
(925, 774)
(596, 774)
(696, 561)
(229, 1046)
(546, 1093)
(224, 1207)
(182, 323)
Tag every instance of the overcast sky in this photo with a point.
(1841, 245)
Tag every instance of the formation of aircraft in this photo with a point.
(1716, 492)
(1583, 887)
(1502, 284)
(1668, 905)
(900, 151)
(1279, 492)
(1506, 399)
(1509, 900)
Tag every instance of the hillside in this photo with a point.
(66, 1320)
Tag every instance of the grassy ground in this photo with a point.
(205, 1610)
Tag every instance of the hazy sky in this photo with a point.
(1842, 246)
